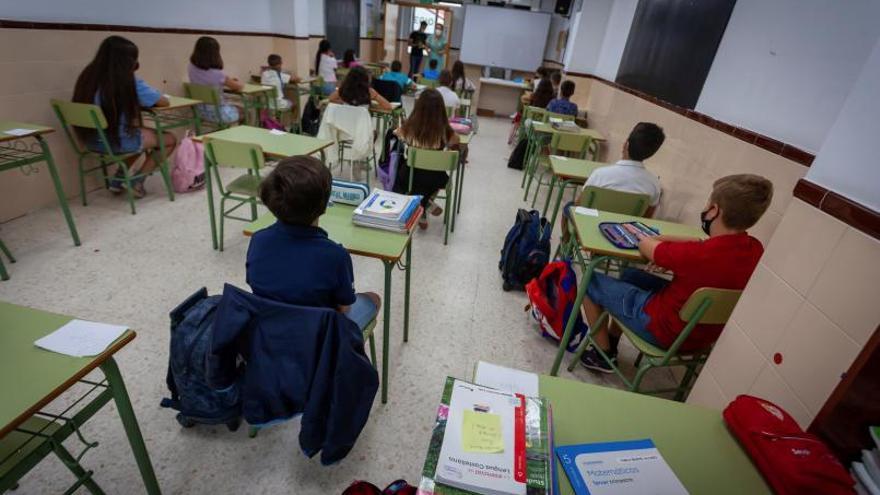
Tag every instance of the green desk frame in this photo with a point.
(180, 113)
(567, 172)
(540, 134)
(254, 97)
(388, 247)
(48, 376)
(17, 152)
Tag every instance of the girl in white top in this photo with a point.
(450, 99)
(459, 81)
(325, 66)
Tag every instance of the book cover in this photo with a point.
(384, 204)
(871, 460)
(618, 468)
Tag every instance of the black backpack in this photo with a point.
(311, 118)
(197, 401)
(526, 250)
(389, 90)
(518, 156)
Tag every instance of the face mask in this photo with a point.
(705, 223)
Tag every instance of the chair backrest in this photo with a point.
(442, 160)
(389, 90)
(567, 142)
(430, 83)
(234, 154)
(536, 114)
(341, 73)
(560, 116)
(612, 201)
(710, 306)
(84, 115)
(204, 93)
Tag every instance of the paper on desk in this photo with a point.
(277, 132)
(81, 338)
(560, 157)
(507, 379)
(590, 212)
(19, 132)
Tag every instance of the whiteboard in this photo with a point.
(508, 38)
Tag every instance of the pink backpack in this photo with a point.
(188, 173)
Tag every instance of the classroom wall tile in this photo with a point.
(770, 386)
(852, 269)
(737, 367)
(801, 245)
(707, 393)
(814, 354)
(765, 309)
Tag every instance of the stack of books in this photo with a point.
(867, 473)
(388, 211)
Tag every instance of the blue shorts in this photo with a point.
(362, 312)
(329, 88)
(228, 113)
(626, 298)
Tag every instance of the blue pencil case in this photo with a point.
(621, 237)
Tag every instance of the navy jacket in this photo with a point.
(296, 360)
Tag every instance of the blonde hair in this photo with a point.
(743, 199)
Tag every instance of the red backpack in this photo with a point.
(551, 299)
(791, 460)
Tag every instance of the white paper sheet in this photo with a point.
(277, 132)
(19, 132)
(80, 338)
(590, 212)
(507, 379)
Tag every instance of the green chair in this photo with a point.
(88, 116)
(429, 83)
(437, 160)
(242, 190)
(610, 200)
(706, 306)
(209, 96)
(279, 113)
(341, 74)
(551, 116)
(5, 250)
(465, 97)
(530, 114)
(561, 143)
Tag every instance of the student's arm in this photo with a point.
(649, 213)
(233, 84)
(381, 102)
(335, 98)
(163, 102)
(647, 246)
(344, 292)
(454, 143)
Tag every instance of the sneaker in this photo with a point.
(592, 360)
(116, 184)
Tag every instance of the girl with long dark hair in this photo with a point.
(355, 90)
(460, 82)
(325, 66)
(206, 68)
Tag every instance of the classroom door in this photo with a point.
(343, 25)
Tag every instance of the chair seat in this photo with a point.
(248, 185)
(641, 344)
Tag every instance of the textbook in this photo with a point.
(487, 441)
(387, 210)
(629, 467)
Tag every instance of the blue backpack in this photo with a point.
(526, 250)
(196, 401)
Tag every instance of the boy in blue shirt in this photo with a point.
(431, 73)
(396, 76)
(294, 261)
(562, 104)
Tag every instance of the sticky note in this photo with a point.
(481, 433)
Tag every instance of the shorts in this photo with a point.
(626, 298)
(228, 113)
(329, 88)
(362, 312)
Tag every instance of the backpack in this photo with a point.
(526, 250)
(188, 173)
(551, 298)
(311, 118)
(517, 158)
(268, 122)
(392, 156)
(461, 125)
(191, 395)
(791, 460)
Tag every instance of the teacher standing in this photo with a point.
(437, 44)
(417, 41)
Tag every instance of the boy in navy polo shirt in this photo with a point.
(294, 261)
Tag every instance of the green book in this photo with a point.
(538, 447)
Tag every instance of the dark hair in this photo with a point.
(433, 63)
(543, 94)
(348, 58)
(423, 23)
(428, 124)
(445, 78)
(323, 47)
(111, 75)
(297, 191)
(644, 140)
(206, 54)
(396, 66)
(543, 72)
(355, 88)
(743, 199)
(274, 60)
(458, 74)
(556, 77)
(567, 89)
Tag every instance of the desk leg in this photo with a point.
(386, 324)
(461, 167)
(562, 185)
(197, 120)
(569, 326)
(210, 190)
(553, 181)
(406, 292)
(162, 159)
(129, 422)
(62, 199)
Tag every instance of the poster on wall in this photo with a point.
(389, 43)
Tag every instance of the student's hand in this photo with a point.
(647, 245)
(163, 102)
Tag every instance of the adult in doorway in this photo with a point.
(417, 44)
(437, 44)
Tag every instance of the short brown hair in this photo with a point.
(743, 198)
(297, 191)
(445, 78)
(567, 88)
(206, 54)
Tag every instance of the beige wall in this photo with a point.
(46, 63)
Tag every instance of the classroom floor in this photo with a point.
(134, 269)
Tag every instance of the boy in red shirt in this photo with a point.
(649, 305)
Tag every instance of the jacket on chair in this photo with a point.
(291, 360)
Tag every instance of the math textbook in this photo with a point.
(488, 441)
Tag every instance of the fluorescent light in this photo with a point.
(449, 4)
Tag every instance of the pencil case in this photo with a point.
(620, 237)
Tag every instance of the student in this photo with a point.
(541, 73)
(450, 99)
(109, 81)
(417, 40)
(556, 80)
(542, 95)
(428, 128)
(206, 67)
(649, 305)
(293, 261)
(274, 76)
(629, 173)
(349, 60)
(563, 104)
(325, 66)
(355, 90)
(395, 75)
(459, 81)
(431, 73)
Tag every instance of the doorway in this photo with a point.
(343, 26)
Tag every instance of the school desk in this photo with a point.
(591, 240)
(567, 171)
(254, 97)
(23, 152)
(500, 96)
(31, 378)
(274, 144)
(387, 118)
(465, 141)
(539, 134)
(388, 247)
